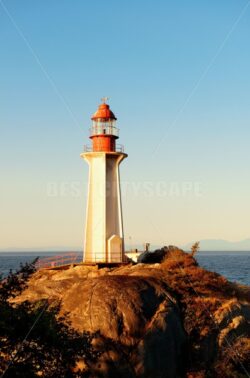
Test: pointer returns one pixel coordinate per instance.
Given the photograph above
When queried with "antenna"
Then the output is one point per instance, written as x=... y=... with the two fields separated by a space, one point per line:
x=104 y=99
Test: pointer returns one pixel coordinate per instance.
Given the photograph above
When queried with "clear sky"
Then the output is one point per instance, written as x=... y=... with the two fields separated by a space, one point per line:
x=178 y=78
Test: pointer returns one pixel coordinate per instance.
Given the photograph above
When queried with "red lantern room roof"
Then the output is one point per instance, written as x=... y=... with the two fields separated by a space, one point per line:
x=103 y=112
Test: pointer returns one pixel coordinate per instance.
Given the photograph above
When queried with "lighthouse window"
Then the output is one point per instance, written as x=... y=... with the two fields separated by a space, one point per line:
x=104 y=127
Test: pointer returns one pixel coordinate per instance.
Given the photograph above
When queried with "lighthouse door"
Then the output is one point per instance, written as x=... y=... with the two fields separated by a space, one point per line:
x=114 y=249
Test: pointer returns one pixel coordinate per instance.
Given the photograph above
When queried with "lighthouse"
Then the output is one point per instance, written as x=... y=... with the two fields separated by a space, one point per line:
x=104 y=239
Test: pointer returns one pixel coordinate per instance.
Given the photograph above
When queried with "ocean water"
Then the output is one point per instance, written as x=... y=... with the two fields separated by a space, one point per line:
x=235 y=266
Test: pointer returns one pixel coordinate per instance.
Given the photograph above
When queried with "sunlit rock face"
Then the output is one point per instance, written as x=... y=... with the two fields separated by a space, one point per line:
x=169 y=318
x=136 y=312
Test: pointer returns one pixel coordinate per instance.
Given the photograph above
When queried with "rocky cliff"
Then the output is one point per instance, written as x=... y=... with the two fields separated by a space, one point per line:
x=163 y=318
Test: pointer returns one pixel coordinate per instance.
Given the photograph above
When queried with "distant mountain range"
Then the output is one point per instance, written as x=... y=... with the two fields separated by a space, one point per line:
x=221 y=245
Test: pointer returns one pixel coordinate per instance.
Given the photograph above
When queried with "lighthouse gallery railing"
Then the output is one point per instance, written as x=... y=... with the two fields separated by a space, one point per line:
x=118 y=148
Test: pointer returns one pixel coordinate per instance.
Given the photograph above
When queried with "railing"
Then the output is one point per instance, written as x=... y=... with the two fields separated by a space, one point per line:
x=87 y=148
x=104 y=130
x=75 y=258
x=101 y=258
x=118 y=148
x=59 y=260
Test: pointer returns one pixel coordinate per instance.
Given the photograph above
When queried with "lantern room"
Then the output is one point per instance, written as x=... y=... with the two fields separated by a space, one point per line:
x=104 y=132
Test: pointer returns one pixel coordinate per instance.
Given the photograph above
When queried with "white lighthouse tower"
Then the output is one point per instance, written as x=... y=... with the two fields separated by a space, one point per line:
x=104 y=240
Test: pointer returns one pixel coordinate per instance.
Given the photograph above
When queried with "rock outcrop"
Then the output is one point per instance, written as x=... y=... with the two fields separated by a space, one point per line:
x=163 y=319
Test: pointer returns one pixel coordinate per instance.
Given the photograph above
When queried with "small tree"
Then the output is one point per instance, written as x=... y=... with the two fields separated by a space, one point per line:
x=195 y=248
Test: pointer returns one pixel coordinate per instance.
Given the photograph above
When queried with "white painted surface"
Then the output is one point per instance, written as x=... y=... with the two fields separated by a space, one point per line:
x=104 y=240
x=115 y=249
x=133 y=255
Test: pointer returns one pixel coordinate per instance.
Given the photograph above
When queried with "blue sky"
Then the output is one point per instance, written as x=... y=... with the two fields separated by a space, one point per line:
x=177 y=74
